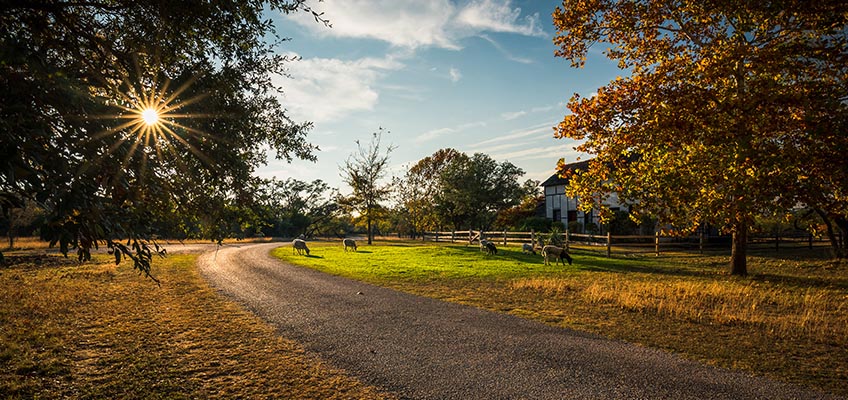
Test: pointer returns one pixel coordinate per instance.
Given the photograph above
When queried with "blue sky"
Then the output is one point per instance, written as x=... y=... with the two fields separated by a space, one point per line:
x=477 y=76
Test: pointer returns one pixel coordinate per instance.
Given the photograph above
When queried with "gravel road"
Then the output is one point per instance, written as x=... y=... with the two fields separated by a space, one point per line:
x=422 y=348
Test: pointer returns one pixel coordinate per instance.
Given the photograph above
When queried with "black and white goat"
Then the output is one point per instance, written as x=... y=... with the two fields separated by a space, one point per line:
x=488 y=247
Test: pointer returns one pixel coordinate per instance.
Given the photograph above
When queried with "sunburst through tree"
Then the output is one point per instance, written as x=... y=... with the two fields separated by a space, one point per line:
x=152 y=125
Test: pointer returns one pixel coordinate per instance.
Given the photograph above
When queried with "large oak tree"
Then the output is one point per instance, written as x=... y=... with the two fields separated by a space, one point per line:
x=731 y=107
x=74 y=137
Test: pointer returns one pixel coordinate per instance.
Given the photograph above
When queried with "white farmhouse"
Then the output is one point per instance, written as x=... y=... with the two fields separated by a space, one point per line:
x=560 y=207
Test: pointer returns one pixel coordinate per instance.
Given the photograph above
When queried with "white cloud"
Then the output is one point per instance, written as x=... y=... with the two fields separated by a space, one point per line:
x=402 y=23
x=511 y=115
x=536 y=130
x=455 y=75
x=324 y=89
x=414 y=23
x=499 y=16
x=535 y=152
x=437 y=133
x=505 y=52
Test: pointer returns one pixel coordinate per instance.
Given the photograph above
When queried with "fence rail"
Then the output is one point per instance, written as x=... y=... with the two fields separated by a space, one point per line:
x=630 y=244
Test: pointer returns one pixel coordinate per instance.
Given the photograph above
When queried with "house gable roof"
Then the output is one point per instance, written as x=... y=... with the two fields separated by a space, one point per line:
x=555 y=180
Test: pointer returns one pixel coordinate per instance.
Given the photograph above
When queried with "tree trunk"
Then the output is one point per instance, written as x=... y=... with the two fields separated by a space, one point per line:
x=738 y=253
x=368 y=223
x=831 y=235
x=842 y=249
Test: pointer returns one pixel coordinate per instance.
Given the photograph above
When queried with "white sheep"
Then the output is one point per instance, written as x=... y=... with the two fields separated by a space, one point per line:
x=527 y=248
x=349 y=243
x=558 y=252
x=299 y=245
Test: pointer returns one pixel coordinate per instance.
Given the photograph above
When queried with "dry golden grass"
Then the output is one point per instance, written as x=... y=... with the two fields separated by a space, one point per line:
x=101 y=331
x=23 y=243
x=811 y=312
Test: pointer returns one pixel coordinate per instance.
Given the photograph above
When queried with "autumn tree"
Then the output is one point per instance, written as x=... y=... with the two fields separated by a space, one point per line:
x=363 y=171
x=730 y=108
x=117 y=114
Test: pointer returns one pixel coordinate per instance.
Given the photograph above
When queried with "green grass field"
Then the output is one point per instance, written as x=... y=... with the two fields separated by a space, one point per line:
x=787 y=320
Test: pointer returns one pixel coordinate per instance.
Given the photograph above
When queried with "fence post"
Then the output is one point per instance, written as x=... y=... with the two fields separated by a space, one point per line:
x=657 y=243
x=609 y=244
x=453 y=236
x=533 y=238
x=504 y=237
x=701 y=243
x=437 y=236
x=567 y=239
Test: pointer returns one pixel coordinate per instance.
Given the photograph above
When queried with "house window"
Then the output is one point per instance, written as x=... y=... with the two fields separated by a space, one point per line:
x=572 y=215
x=557 y=215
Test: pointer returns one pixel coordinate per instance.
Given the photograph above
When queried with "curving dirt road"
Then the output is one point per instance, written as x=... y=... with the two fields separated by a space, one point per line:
x=422 y=348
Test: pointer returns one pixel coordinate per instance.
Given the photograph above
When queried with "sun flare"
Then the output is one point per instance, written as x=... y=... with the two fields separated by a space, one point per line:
x=155 y=125
x=150 y=116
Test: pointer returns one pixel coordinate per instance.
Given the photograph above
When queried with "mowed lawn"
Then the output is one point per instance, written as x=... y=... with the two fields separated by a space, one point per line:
x=788 y=320
x=103 y=331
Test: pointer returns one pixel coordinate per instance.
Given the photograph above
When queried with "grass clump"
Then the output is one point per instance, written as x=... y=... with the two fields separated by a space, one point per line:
x=103 y=331
x=788 y=320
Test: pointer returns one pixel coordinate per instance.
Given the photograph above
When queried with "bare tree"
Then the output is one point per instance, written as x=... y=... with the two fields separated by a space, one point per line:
x=363 y=171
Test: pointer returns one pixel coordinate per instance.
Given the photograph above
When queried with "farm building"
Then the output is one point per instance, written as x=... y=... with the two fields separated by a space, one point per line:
x=560 y=207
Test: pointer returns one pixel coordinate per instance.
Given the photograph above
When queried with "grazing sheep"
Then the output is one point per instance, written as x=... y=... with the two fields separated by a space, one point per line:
x=299 y=245
x=490 y=247
x=557 y=252
x=483 y=243
x=527 y=248
x=349 y=243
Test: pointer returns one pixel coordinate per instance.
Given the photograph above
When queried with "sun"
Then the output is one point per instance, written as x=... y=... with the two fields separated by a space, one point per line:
x=150 y=116
x=154 y=125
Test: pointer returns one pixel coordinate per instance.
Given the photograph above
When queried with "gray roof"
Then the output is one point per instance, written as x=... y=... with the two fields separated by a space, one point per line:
x=555 y=179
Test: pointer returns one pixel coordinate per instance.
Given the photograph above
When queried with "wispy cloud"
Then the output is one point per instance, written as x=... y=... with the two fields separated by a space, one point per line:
x=455 y=75
x=326 y=89
x=535 y=130
x=505 y=52
x=499 y=16
x=437 y=133
x=535 y=152
x=414 y=23
x=511 y=115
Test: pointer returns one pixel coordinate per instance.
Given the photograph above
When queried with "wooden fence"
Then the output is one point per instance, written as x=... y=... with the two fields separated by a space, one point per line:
x=632 y=244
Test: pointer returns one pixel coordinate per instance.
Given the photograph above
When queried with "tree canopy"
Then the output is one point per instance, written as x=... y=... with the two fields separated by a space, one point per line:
x=292 y=207
x=474 y=189
x=730 y=108
x=78 y=136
